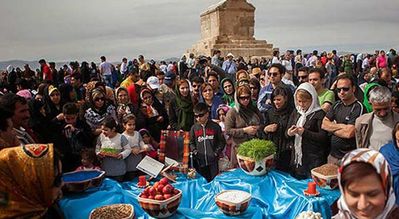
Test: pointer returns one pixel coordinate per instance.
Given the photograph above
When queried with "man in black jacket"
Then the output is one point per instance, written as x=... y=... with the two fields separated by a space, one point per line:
x=206 y=142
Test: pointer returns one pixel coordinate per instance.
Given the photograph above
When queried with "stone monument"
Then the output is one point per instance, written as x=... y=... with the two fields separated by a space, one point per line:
x=229 y=27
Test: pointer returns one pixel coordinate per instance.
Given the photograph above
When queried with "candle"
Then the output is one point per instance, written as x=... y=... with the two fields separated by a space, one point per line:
x=311 y=188
x=142 y=181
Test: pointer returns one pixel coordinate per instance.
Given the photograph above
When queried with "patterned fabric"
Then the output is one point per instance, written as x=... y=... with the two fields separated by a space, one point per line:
x=377 y=160
x=94 y=119
x=26 y=180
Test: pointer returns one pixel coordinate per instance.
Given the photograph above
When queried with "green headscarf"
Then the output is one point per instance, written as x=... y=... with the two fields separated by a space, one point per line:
x=228 y=99
x=185 y=116
x=367 y=90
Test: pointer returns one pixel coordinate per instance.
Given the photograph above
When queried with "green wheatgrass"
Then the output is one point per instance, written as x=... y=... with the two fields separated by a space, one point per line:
x=257 y=149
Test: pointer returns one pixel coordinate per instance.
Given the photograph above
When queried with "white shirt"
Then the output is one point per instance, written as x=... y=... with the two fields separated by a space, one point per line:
x=106 y=68
x=287 y=65
x=365 y=63
x=123 y=67
x=275 y=60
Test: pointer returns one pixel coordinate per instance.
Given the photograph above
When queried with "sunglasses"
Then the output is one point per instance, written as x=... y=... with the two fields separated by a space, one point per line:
x=274 y=74
x=98 y=99
x=345 y=89
x=199 y=115
x=244 y=98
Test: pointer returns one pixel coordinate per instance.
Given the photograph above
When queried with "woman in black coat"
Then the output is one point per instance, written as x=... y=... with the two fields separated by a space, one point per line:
x=310 y=141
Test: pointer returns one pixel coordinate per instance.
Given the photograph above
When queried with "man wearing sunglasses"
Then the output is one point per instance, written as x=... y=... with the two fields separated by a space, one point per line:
x=373 y=130
x=206 y=142
x=275 y=75
x=340 y=120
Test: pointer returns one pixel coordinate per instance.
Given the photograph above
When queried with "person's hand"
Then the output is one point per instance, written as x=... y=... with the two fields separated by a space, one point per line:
x=100 y=155
x=60 y=117
x=160 y=119
x=71 y=127
x=251 y=130
x=268 y=102
x=136 y=150
x=121 y=112
x=119 y=157
x=300 y=130
x=292 y=130
x=271 y=128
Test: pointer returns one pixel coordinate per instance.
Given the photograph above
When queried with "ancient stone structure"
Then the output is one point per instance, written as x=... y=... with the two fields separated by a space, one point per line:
x=229 y=27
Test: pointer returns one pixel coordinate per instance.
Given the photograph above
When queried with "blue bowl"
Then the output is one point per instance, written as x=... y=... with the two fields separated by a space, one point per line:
x=79 y=181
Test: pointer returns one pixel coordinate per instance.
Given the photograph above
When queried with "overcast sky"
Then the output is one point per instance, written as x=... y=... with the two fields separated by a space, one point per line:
x=63 y=30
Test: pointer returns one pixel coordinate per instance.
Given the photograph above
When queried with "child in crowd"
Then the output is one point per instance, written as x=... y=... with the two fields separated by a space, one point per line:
x=89 y=160
x=113 y=148
x=150 y=142
x=206 y=142
x=136 y=144
x=226 y=161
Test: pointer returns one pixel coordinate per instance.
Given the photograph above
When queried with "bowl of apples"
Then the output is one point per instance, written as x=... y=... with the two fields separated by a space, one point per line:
x=160 y=200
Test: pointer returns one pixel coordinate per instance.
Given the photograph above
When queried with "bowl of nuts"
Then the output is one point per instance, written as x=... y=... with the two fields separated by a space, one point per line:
x=115 y=211
x=326 y=176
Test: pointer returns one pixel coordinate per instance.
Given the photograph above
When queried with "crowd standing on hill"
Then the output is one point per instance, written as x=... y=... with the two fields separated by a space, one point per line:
x=317 y=108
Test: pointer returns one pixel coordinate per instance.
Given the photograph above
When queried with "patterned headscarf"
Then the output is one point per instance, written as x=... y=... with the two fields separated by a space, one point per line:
x=27 y=175
x=378 y=161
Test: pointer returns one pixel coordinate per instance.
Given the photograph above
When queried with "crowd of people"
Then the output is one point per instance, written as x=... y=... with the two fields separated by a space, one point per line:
x=316 y=108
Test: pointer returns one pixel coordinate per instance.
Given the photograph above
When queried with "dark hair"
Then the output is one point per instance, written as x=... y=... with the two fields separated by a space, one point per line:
x=394 y=130
x=9 y=100
x=305 y=69
x=70 y=109
x=42 y=61
x=347 y=77
x=5 y=114
x=102 y=58
x=110 y=122
x=279 y=66
x=200 y=108
x=198 y=80
x=127 y=118
x=90 y=154
x=318 y=70
x=212 y=73
x=356 y=171
x=77 y=76
x=275 y=52
x=159 y=73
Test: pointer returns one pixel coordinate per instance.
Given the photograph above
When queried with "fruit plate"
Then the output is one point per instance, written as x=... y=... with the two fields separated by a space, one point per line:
x=115 y=211
x=161 y=208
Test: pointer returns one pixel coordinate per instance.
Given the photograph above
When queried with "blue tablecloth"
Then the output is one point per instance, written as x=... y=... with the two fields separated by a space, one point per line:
x=275 y=195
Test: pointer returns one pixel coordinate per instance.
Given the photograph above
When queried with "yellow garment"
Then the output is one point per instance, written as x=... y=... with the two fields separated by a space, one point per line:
x=127 y=82
x=26 y=180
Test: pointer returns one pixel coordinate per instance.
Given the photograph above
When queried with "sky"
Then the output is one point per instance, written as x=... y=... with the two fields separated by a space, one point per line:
x=63 y=30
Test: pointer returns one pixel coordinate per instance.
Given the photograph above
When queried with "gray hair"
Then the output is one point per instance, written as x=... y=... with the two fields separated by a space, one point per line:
x=380 y=94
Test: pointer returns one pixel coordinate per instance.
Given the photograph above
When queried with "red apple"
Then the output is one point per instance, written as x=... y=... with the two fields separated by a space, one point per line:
x=164 y=181
x=152 y=191
x=143 y=196
x=151 y=197
x=160 y=187
x=175 y=191
x=159 y=197
x=168 y=189
x=146 y=191
x=167 y=196
x=156 y=185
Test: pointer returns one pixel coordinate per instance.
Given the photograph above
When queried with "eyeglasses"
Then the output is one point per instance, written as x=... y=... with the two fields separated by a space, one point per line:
x=99 y=99
x=244 y=97
x=199 y=115
x=345 y=89
x=274 y=74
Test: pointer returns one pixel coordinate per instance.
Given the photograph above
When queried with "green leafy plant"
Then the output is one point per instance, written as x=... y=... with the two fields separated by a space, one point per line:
x=257 y=149
x=110 y=150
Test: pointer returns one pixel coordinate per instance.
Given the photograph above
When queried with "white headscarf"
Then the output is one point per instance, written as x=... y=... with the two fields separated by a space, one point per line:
x=378 y=161
x=315 y=106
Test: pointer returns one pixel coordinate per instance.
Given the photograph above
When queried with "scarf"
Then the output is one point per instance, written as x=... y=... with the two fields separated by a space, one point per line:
x=250 y=114
x=228 y=98
x=185 y=116
x=26 y=178
x=315 y=106
x=288 y=106
x=391 y=154
x=381 y=166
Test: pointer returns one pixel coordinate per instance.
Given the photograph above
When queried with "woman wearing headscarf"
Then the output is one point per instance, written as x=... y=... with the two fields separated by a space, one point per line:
x=53 y=103
x=310 y=140
x=365 y=182
x=210 y=99
x=276 y=124
x=228 y=92
x=391 y=154
x=68 y=94
x=125 y=107
x=155 y=115
x=30 y=182
x=181 y=108
x=242 y=122
x=99 y=109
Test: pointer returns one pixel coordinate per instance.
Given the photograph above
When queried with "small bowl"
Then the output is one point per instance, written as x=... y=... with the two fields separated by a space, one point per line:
x=80 y=181
x=225 y=202
x=161 y=209
x=113 y=212
x=325 y=182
